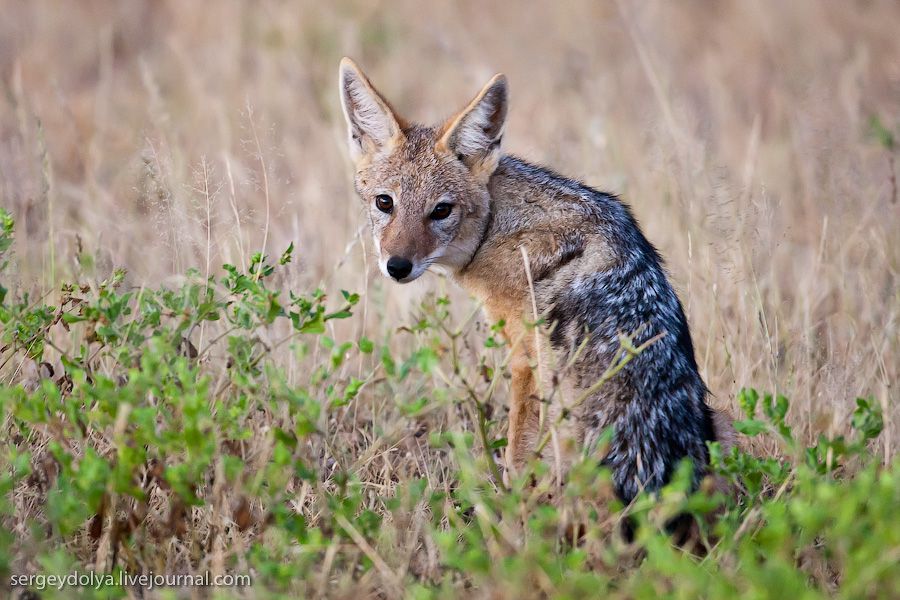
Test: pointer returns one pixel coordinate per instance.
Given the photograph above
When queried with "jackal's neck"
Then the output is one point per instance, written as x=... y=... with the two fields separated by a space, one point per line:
x=518 y=209
x=555 y=221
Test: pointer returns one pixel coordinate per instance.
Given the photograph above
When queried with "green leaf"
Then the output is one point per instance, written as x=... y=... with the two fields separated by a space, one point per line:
x=387 y=361
x=867 y=419
x=881 y=134
x=314 y=325
x=748 y=398
x=426 y=359
x=413 y=408
x=341 y=314
x=286 y=255
x=366 y=346
x=751 y=427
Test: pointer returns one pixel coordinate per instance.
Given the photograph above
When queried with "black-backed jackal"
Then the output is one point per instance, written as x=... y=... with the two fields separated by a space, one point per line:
x=447 y=196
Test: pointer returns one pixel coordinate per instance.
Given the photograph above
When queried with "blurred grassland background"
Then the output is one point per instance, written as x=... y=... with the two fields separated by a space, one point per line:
x=752 y=139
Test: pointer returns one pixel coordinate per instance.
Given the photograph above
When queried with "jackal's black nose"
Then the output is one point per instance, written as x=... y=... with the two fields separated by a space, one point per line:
x=398 y=268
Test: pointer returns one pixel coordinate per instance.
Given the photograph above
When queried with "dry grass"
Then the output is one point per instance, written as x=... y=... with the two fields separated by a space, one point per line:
x=165 y=135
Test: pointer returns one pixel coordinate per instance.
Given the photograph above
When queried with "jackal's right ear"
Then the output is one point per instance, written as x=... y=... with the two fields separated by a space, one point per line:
x=474 y=134
x=371 y=122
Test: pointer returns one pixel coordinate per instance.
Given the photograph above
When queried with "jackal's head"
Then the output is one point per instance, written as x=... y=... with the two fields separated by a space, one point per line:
x=425 y=188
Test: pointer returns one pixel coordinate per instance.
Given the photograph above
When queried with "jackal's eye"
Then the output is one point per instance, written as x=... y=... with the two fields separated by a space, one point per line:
x=384 y=203
x=441 y=211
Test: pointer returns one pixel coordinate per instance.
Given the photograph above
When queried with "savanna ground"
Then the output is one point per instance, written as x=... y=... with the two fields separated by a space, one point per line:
x=162 y=413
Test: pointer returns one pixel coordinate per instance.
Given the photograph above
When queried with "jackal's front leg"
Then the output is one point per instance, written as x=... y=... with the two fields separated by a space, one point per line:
x=524 y=413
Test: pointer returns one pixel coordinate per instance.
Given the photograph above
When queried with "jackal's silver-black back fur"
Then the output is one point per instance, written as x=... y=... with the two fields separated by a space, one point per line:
x=656 y=404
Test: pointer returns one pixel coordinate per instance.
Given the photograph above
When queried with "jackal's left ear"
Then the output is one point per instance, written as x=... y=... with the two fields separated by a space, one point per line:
x=474 y=134
x=372 y=123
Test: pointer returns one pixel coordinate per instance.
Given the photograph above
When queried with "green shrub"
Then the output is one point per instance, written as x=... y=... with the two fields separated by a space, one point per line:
x=224 y=426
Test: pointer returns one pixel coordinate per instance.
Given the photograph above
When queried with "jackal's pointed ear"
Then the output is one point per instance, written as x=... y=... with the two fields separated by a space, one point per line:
x=371 y=122
x=474 y=134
